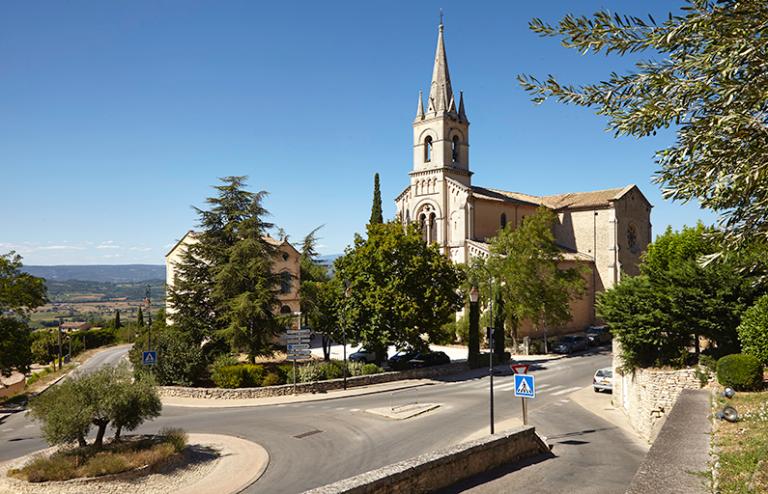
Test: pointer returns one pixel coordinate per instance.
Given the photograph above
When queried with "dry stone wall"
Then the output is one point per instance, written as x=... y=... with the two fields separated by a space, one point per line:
x=312 y=387
x=647 y=396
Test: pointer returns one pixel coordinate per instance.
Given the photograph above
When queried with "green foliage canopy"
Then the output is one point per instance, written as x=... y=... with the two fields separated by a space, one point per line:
x=225 y=284
x=20 y=293
x=706 y=78
x=530 y=283
x=399 y=287
x=109 y=395
x=657 y=315
x=753 y=330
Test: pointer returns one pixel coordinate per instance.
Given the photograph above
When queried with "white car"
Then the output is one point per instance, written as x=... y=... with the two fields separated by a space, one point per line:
x=603 y=380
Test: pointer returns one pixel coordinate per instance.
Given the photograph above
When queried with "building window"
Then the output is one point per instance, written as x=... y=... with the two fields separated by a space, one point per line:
x=428 y=149
x=285 y=282
x=632 y=238
x=285 y=310
x=423 y=226
x=432 y=228
x=285 y=256
x=455 y=149
x=503 y=220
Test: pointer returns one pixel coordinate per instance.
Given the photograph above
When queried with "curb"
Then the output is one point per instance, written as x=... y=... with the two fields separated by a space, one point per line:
x=204 y=403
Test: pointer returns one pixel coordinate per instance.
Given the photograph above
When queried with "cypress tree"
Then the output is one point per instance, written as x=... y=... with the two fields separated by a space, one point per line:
x=117 y=319
x=376 y=215
x=140 y=318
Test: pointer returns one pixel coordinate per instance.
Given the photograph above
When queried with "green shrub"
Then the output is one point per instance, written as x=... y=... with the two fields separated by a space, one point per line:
x=238 y=376
x=176 y=437
x=371 y=369
x=310 y=372
x=740 y=372
x=753 y=330
x=104 y=464
x=272 y=379
x=333 y=369
x=708 y=362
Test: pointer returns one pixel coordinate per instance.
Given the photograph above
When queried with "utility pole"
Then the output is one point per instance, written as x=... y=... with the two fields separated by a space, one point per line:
x=61 y=321
x=148 y=305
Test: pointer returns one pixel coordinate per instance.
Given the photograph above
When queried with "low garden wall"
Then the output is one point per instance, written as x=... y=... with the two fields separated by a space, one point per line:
x=311 y=387
x=432 y=471
x=647 y=396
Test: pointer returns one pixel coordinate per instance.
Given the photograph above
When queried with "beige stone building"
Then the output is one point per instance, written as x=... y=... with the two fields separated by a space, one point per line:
x=604 y=230
x=287 y=264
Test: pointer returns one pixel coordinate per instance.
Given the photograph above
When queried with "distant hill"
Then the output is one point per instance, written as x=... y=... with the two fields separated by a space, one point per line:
x=104 y=273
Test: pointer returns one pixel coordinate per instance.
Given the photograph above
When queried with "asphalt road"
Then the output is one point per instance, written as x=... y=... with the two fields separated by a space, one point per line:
x=311 y=444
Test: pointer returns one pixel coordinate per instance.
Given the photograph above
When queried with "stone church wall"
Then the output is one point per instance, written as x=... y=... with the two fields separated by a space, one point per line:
x=488 y=217
x=632 y=212
x=589 y=232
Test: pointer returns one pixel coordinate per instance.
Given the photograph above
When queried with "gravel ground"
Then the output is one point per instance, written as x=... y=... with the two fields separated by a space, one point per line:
x=199 y=461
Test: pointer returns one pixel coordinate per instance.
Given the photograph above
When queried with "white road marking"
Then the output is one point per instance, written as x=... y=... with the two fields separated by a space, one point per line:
x=354 y=409
x=566 y=391
x=7 y=430
x=557 y=386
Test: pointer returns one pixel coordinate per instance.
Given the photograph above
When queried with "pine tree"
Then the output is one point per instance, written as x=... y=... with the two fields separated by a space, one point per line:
x=140 y=318
x=117 y=319
x=225 y=285
x=376 y=214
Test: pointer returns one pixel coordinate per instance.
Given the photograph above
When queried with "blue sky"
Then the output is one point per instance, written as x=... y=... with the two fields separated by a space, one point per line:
x=117 y=117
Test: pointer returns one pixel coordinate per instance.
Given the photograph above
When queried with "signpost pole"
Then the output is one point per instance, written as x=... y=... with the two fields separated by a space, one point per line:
x=525 y=412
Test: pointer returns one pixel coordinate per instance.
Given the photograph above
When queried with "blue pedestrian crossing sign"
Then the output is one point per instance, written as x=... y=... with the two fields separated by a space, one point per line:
x=524 y=386
x=149 y=358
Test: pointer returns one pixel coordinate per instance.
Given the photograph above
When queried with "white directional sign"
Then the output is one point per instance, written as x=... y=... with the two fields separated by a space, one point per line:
x=524 y=386
x=300 y=351
x=298 y=332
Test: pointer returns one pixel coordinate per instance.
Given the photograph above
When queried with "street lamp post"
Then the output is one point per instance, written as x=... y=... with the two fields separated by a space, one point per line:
x=60 y=352
x=148 y=304
x=474 y=328
x=344 y=333
x=490 y=348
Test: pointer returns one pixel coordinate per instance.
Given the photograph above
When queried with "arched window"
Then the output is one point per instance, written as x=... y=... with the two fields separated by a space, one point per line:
x=455 y=149
x=285 y=310
x=503 y=220
x=428 y=149
x=432 y=228
x=423 y=226
x=285 y=282
x=407 y=216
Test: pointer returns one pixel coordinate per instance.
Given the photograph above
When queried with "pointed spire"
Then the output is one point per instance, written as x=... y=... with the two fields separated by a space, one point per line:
x=440 y=92
x=420 y=108
x=452 y=104
x=462 y=115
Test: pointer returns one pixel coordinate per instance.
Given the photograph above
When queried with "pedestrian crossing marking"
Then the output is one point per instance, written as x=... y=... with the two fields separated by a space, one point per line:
x=524 y=386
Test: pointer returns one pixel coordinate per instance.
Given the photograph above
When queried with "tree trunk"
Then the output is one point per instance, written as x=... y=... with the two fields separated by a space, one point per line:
x=326 y=348
x=118 y=430
x=81 y=441
x=99 y=441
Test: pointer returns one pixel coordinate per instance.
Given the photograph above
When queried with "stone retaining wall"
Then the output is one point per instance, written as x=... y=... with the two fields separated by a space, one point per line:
x=647 y=396
x=442 y=468
x=314 y=387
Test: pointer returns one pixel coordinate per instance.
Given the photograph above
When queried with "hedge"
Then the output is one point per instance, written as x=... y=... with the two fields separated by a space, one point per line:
x=753 y=330
x=740 y=372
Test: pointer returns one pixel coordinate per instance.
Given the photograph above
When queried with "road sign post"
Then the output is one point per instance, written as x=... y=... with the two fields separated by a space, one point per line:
x=525 y=387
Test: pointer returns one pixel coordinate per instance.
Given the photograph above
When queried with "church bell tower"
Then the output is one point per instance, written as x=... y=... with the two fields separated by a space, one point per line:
x=441 y=133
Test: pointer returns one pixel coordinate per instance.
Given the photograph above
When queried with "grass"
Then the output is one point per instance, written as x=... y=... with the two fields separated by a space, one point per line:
x=115 y=457
x=743 y=446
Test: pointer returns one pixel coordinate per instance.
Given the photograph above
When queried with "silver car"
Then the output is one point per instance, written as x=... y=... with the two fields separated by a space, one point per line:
x=603 y=380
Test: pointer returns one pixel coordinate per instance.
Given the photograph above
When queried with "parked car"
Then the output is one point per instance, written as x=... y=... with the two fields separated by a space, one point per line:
x=598 y=335
x=570 y=344
x=603 y=380
x=399 y=360
x=428 y=359
x=363 y=355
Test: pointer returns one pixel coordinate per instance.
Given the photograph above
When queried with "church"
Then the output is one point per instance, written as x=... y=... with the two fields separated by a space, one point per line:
x=605 y=231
